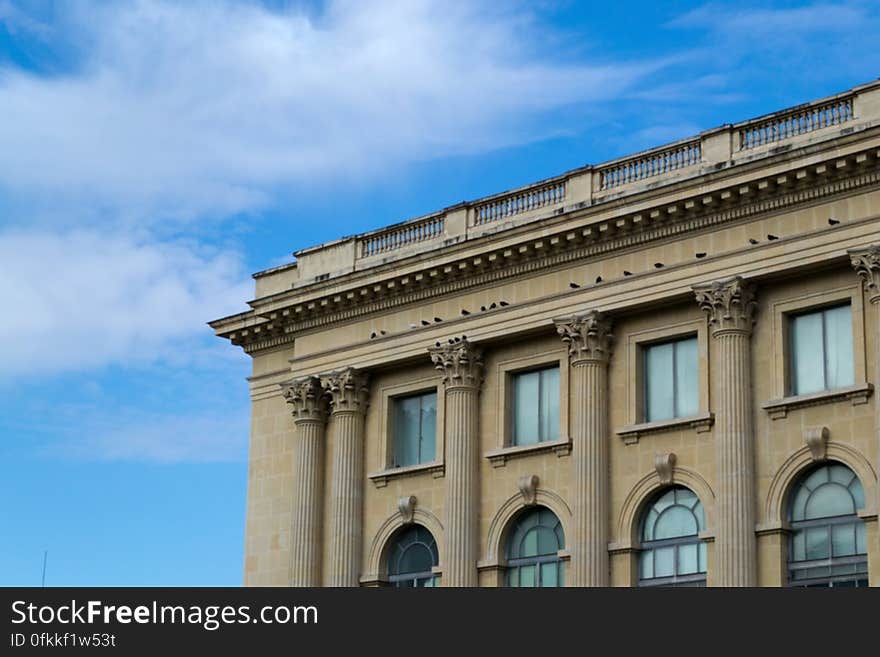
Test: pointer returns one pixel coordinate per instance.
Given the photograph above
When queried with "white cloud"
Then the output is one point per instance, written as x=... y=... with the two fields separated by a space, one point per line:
x=83 y=299
x=207 y=107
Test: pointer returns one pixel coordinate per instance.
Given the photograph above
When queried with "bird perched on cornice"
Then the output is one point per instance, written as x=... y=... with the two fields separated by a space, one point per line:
x=832 y=221
x=573 y=285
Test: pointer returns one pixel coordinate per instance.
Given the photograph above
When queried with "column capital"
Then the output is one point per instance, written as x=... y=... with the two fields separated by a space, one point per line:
x=588 y=337
x=348 y=390
x=729 y=303
x=460 y=361
x=866 y=262
x=307 y=397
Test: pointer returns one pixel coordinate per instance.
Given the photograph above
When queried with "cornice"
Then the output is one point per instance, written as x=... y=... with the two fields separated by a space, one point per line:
x=800 y=186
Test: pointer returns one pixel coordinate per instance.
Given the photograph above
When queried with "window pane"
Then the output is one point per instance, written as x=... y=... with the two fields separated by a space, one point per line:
x=688 y=561
x=525 y=408
x=702 y=556
x=829 y=500
x=839 y=347
x=549 y=575
x=647 y=564
x=659 y=403
x=843 y=540
x=429 y=428
x=817 y=543
x=530 y=544
x=806 y=351
x=527 y=576
x=406 y=430
x=861 y=545
x=799 y=546
x=686 y=366
x=513 y=577
x=550 y=404
x=664 y=562
x=674 y=522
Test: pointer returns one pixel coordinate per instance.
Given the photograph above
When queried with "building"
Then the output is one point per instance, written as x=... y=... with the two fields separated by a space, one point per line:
x=657 y=370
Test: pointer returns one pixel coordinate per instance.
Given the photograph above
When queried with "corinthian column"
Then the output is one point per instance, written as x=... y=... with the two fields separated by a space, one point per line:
x=866 y=262
x=462 y=367
x=589 y=340
x=730 y=305
x=309 y=418
x=349 y=396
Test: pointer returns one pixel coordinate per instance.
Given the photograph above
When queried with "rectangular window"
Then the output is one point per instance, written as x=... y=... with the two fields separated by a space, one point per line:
x=671 y=375
x=415 y=427
x=535 y=406
x=821 y=350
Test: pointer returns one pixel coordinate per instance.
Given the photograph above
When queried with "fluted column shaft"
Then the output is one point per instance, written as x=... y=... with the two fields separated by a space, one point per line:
x=589 y=341
x=730 y=306
x=348 y=397
x=462 y=367
x=866 y=262
x=307 y=397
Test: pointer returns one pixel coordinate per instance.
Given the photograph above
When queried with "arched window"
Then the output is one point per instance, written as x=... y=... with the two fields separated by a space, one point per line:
x=411 y=558
x=672 y=553
x=827 y=542
x=533 y=545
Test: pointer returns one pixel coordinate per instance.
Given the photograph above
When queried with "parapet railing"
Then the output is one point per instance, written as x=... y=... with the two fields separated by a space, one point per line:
x=402 y=235
x=796 y=122
x=519 y=202
x=650 y=164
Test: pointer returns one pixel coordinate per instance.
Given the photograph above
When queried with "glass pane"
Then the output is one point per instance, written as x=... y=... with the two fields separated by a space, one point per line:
x=513 y=577
x=817 y=543
x=530 y=544
x=686 y=367
x=550 y=404
x=549 y=575
x=648 y=528
x=858 y=493
x=546 y=541
x=839 y=347
x=861 y=544
x=527 y=576
x=664 y=562
x=688 y=560
x=646 y=564
x=429 y=428
x=659 y=402
x=702 y=556
x=829 y=500
x=525 y=408
x=843 y=540
x=799 y=546
x=674 y=522
x=808 y=367
x=406 y=430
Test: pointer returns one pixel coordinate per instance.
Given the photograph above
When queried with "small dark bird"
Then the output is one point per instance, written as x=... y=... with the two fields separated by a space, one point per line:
x=436 y=344
x=627 y=273
x=425 y=322
x=701 y=254
x=464 y=337
x=573 y=285
x=381 y=332
x=458 y=339
x=492 y=306
x=753 y=240
x=465 y=312
x=832 y=222
x=373 y=335
x=658 y=265
x=598 y=279
x=772 y=237
x=482 y=309
x=451 y=341
x=437 y=320
x=503 y=303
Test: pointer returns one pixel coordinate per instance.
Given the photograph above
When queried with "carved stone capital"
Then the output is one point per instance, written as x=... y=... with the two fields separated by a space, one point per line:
x=664 y=464
x=587 y=336
x=528 y=488
x=461 y=363
x=866 y=262
x=348 y=390
x=406 y=506
x=729 y=303
x=307 y=397
x=817 y=440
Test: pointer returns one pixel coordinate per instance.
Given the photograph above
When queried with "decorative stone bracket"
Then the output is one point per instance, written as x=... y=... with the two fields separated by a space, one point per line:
x=406 y=506
x=528 y=488
x=817 y=440
x=664 y=464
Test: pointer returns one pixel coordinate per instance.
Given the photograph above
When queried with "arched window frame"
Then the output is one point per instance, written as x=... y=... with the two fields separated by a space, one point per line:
x=539 y=570
x=650 y=548
x=830 y=569
x=410 y=537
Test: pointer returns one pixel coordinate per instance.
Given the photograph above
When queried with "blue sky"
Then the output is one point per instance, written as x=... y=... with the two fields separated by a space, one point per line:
x=154 y=154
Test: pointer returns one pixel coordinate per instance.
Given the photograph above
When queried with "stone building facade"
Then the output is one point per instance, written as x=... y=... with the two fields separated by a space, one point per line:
x=659 y=370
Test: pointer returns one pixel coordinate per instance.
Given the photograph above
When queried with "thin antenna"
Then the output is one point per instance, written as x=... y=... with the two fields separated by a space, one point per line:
x=45 y=558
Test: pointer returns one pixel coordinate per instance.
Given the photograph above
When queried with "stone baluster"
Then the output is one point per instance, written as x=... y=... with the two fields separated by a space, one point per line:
x=589 y=339
x=462 y=366
x=730 y=306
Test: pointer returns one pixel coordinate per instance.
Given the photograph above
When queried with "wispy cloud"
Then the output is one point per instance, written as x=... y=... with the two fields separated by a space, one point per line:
x=187 y=109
